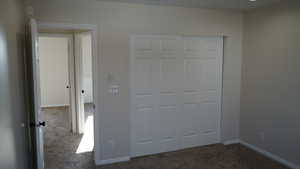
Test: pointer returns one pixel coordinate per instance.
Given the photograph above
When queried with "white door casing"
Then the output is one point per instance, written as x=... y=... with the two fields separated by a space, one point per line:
x=36 y=116
x=72 y=86
x=79 y=83
x=95 y=71
x=176 y=87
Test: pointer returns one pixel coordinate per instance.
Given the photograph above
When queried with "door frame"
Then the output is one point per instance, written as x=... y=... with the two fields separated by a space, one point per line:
x=32 y=74
x=132 y=37
x=79 y=79
x=95 y=70
x=71 y=74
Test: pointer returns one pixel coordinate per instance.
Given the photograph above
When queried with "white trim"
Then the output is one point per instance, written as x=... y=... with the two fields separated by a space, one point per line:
x=112 y=160
x=36 y=95
x=174 y=35
x=131 y=93
x=233 y=141
x=54 y=34
x=72 y=84
x=96 y=71
x=54 y=105
x=79 y=82
x=270 y=155
x=60 y=105
x=66 y=26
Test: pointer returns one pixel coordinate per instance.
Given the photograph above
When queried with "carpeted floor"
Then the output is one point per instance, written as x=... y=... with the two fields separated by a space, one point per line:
x=207 y=157
x=61 y=145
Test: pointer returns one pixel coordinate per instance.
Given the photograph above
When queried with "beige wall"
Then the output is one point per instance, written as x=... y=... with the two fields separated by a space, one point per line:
x=270 y=111
x=115 y=23
x=13 y=147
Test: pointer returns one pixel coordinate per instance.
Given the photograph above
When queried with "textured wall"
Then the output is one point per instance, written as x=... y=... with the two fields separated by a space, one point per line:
x=116 y=21
x=270 y=109
x=13 y=147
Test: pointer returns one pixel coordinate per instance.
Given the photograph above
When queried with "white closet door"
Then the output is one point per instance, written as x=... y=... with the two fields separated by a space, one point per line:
x=200 y=118
x=144 y=103
x=176 y=91
x=168 y=92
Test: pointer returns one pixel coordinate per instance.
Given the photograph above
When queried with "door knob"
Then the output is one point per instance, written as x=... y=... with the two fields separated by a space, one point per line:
x=82 y=91
x=42 y=123
x=39 y=124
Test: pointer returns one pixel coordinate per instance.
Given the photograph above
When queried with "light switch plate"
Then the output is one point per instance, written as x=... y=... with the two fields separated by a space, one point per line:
x=114 y=90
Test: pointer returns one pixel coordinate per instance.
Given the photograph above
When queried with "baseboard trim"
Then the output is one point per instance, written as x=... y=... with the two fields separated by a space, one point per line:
x=270 y=155
x=59 y=105
x=54 y=105
x=112 y=160
x=233 y=141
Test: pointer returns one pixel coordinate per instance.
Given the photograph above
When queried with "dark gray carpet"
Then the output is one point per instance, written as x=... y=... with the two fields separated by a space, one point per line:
x=61 y=145
x=207 y=157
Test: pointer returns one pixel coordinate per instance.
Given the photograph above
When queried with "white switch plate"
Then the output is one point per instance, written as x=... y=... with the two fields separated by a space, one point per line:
x=114 y=90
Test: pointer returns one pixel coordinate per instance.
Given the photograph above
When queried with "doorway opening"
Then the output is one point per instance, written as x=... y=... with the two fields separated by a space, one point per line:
x=67 y=97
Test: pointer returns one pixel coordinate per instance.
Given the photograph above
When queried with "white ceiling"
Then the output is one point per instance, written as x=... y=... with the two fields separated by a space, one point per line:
x=225 y=4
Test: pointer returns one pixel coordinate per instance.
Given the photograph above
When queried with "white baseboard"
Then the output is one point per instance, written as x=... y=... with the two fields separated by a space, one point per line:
x=113 y=160
x=270 y=155
x=54 y=105
x=60 y=105
x=229 y=142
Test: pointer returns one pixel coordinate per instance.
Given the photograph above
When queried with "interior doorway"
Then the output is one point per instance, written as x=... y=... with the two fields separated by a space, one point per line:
x=67 y=104
x=56 y=78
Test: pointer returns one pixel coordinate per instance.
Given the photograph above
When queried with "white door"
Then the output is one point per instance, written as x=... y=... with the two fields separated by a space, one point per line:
x=35 y=95
x=167 y=92
x=80 y=91
x=176 y=92
x=144 y=106
x=200 y=120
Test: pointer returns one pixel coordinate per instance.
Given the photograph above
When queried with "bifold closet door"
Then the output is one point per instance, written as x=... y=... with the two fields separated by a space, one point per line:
x=201 y=113
x=175 y=89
